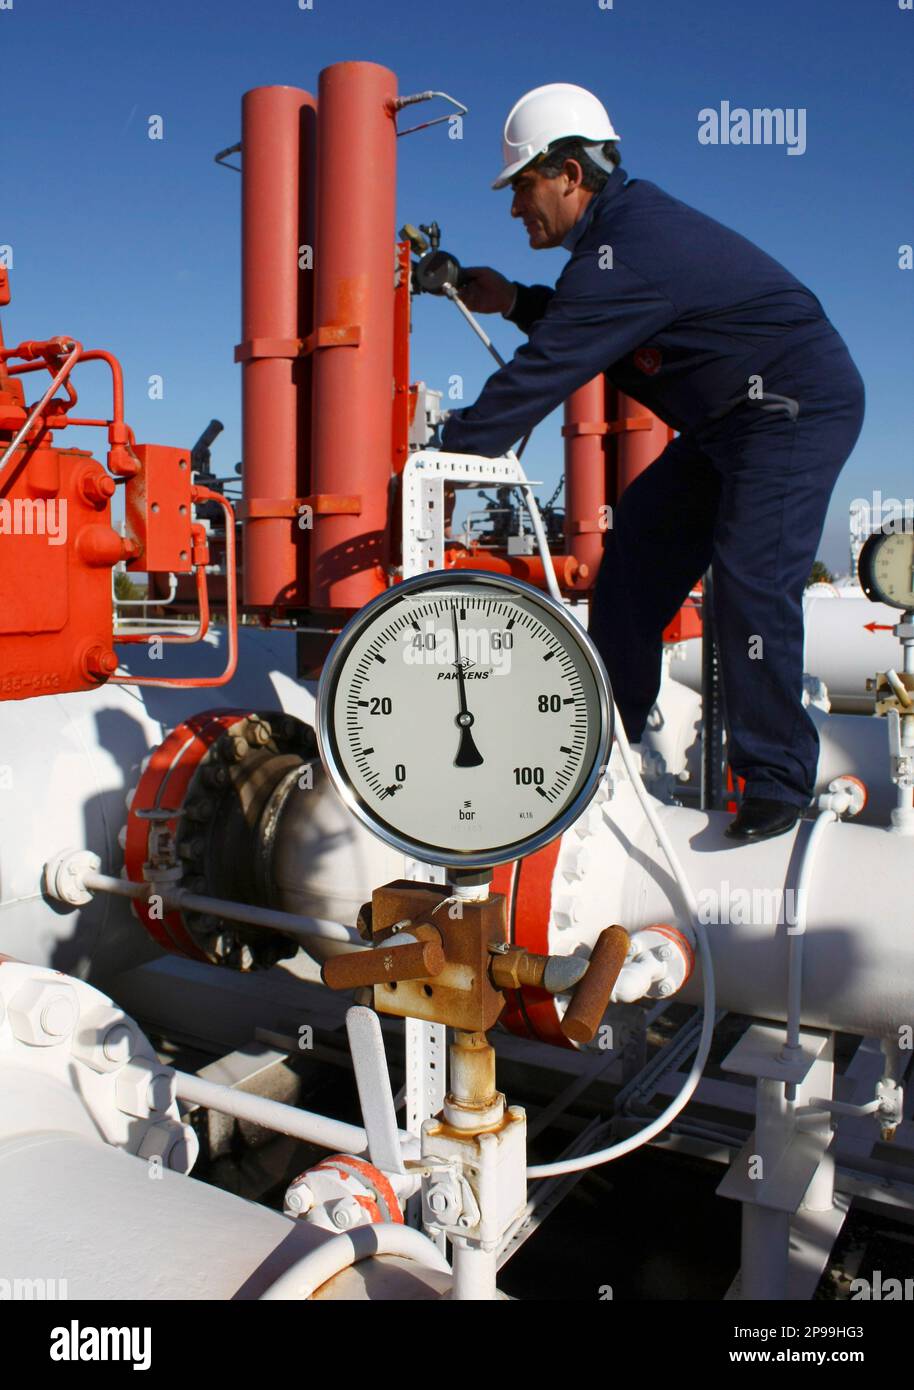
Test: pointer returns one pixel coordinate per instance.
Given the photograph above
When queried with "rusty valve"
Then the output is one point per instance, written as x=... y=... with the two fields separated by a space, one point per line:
x=591 y=997
x=514 y=967
x=591 y=980
x=420 y=957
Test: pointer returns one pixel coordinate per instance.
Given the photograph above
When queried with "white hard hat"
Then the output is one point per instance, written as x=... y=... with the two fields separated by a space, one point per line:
x=546 y=114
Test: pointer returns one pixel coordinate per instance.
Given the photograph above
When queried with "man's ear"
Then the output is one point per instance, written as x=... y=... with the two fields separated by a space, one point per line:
x=574 y=173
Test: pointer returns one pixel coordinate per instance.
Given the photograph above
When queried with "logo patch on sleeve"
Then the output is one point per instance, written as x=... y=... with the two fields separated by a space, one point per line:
x=648 y=360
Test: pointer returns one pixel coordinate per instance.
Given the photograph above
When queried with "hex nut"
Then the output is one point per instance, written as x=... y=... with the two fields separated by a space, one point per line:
x=43 y=1013
x=62 y=876
x=144 y=1088
x=119 y=1044
x=299 y=1199
x=345 y=1213
x=443 y=1202
x=105 y=1039
x=176 y=1144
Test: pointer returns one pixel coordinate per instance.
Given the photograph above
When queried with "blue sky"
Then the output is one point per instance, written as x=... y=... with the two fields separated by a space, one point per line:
x=133 y=244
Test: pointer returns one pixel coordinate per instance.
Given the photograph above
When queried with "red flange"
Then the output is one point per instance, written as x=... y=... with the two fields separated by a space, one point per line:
x=163 y=785
x=527 y=886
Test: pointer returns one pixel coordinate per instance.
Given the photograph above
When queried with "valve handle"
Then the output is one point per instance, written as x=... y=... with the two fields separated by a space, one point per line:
x=416 y=960
x=591 y=997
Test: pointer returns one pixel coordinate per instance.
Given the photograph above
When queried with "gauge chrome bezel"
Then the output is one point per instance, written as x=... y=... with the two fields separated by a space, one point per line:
x=866 y=561
x=360 y=808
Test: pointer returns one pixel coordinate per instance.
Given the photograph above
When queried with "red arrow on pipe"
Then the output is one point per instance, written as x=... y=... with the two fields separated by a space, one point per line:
x=879 y=627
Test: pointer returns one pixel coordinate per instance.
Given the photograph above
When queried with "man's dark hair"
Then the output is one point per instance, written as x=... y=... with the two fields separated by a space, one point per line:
x=550 y=164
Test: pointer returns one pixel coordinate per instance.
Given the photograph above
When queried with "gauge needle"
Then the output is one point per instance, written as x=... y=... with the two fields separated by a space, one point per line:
x=468 y=755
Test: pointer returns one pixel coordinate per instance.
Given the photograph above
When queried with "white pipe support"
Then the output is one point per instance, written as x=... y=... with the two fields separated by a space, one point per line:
x=764 y=1248
x=797 y=932
x=341 y=1251
x=475 y=1272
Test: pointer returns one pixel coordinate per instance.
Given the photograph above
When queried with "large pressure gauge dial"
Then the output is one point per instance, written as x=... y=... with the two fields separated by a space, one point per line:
x=886 y=564
x=465 y=717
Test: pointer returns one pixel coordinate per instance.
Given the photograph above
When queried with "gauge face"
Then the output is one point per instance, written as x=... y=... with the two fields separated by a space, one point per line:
x=464 y=717
x=886 y=565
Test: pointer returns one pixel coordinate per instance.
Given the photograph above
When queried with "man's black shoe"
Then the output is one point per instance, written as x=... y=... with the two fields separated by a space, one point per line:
x=759 y=818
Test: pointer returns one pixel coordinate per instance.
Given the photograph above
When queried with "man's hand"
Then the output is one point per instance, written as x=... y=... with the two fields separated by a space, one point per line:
x=485 y=291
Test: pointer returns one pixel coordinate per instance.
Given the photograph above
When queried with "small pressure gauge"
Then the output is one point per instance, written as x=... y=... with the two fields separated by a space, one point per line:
x=886 y=564
x=465 y=717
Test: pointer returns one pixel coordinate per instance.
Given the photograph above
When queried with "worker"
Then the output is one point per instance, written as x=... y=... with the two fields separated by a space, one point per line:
x=723 y=344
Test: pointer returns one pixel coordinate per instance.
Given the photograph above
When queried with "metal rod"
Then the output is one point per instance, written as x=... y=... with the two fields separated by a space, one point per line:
x=474 y=323
x=302 y=928
x=37 y=410
x=274 y=1115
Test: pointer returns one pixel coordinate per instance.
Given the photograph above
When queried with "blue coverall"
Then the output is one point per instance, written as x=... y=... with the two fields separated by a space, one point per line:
x=681 y=312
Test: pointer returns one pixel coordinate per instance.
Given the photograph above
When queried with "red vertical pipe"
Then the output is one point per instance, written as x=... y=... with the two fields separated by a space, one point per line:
x=584 y=431
x=635 y=449
x=278 y=136
x=352 y=396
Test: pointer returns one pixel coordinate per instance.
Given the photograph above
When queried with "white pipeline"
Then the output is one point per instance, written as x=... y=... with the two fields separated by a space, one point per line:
x=847 y=639
x=858 y=952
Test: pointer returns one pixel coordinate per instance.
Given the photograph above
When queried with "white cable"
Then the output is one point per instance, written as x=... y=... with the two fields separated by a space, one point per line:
x=643 y=1136
x=345 y=1249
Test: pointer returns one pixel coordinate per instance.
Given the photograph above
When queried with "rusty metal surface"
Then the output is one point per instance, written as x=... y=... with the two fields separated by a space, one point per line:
x=420 y=960
x=462 y=994
x=472 y=1072
x=589 y=1001
x=518 y=967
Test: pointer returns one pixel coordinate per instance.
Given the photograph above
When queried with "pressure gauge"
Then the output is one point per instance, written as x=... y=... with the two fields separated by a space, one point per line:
x=464 y=717
x=886 y=564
